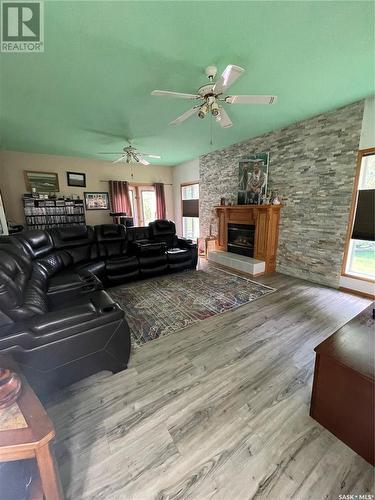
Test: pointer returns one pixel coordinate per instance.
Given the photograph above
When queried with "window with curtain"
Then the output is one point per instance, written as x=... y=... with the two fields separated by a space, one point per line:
x=360 y=255
x=143 y=203
x=190 y=210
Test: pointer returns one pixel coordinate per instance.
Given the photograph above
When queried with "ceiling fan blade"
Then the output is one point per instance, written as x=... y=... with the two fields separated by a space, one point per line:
x=251 y=99
x=142 y=160
x=229 y=76
x=150 y=156
x=223 y=119
x=119 y=159
x=190 y=112
x=179 y=95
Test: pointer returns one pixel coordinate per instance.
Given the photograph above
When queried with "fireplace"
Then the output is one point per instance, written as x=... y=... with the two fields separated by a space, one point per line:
x=241 y=239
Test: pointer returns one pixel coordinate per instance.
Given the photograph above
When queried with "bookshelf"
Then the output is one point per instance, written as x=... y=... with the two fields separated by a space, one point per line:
x=46 y=213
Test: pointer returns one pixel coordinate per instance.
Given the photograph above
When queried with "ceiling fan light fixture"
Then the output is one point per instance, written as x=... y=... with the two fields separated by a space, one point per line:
x=215 y=108
x=203 y=110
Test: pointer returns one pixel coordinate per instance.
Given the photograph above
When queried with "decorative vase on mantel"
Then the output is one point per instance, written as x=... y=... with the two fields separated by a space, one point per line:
x=10 y=387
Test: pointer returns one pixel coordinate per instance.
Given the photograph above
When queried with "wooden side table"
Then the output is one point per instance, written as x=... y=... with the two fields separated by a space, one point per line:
x=206 y=245
x=343 y=395
x=27 y=432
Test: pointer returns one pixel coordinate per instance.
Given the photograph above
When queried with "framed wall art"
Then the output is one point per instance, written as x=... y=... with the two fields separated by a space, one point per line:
x=76 y=179
x=253 y=178
x=41 y=182
x=96 y=201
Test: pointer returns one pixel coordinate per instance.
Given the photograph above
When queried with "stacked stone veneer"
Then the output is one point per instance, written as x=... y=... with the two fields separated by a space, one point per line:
x=312 y=166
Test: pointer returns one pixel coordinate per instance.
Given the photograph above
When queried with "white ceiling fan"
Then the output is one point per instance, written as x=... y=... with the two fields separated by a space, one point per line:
x=212 y=95
x=130 y=154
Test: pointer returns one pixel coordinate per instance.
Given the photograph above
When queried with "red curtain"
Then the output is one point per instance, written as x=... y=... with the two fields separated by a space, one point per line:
x=120 y=198
x=160 y=201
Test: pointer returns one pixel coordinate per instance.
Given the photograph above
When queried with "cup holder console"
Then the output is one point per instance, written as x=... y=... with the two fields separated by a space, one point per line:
x=110 y=308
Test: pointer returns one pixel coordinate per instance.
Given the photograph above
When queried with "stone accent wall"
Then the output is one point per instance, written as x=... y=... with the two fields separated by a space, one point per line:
x=312 y=166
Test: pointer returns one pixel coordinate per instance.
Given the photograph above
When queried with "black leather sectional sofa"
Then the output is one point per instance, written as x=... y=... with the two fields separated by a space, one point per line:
x=56 y=319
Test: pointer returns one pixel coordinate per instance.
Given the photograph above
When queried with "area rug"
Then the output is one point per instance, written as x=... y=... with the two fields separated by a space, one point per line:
x=159 y=306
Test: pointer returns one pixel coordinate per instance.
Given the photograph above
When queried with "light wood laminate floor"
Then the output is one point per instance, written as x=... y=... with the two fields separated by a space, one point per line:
x=219 y=410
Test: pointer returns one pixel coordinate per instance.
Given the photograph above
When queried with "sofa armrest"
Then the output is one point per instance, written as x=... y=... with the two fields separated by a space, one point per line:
x=148 y=248
x=63 y=318
x=185 y=243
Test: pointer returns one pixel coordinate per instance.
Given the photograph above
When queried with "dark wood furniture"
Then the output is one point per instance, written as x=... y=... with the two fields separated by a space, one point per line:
x=266 y=220
x=26 y=432
x=343 y=390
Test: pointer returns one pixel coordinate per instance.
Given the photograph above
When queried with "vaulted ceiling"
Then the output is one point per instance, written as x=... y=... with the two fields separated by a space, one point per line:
x=91 y=87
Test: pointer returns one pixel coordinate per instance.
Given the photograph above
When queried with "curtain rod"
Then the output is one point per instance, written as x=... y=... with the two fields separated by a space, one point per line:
x=138 y=183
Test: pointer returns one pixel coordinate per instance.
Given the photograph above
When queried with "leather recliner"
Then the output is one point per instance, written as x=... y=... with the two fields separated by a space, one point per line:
x=56 y=345
x=181 y=253
x=62 y=279
x=80 y=244
x=113 y=250
x=151 y=255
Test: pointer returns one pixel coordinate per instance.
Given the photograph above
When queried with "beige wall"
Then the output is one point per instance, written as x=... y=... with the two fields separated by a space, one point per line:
x=12 y=184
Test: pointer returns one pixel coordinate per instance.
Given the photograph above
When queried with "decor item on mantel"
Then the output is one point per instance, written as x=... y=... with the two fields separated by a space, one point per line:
x=259 y=224
x=253 y=177
x=275 y=199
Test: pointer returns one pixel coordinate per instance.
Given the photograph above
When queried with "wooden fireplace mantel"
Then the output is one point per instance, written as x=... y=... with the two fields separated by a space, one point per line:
x=266 y=220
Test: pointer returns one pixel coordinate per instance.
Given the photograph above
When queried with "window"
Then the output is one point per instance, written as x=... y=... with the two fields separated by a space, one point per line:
x=190 y=210
x=359 y=258
x=148 y=200
x=143 y=202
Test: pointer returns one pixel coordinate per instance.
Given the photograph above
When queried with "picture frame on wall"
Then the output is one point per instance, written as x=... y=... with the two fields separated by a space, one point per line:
x=76 y=179
x=96 y=200
x=41 y=182
x=253 y=179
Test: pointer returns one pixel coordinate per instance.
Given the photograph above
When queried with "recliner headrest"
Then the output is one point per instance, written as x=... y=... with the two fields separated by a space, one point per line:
x=36 y=242
x=73 y=233
x=110 y=231
x=162 y=227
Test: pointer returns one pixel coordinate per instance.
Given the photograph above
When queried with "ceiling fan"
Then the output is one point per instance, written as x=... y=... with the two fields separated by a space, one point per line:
x=212 y=95
x=130 y=154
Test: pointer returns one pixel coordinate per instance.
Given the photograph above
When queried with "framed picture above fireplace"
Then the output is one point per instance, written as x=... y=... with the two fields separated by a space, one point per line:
x=253 y=179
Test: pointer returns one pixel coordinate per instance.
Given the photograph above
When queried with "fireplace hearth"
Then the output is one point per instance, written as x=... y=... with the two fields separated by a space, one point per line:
x=241 y=239
x=258 y=241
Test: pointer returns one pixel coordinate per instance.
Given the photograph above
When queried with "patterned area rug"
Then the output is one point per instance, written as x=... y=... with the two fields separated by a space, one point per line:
x=159 y=306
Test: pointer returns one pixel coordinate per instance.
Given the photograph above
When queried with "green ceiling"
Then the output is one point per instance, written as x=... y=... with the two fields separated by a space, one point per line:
x=103 y=58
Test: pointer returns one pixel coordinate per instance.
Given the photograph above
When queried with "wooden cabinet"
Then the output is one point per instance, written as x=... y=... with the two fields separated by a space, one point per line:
x=265 y=218
x=343 y=392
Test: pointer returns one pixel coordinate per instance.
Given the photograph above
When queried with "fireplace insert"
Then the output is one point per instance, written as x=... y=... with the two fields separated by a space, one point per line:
x=241 y=239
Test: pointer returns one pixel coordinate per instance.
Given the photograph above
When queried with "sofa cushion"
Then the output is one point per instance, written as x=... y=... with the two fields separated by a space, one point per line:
x=121 y=264
x=78 y=241
x=111 y=239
